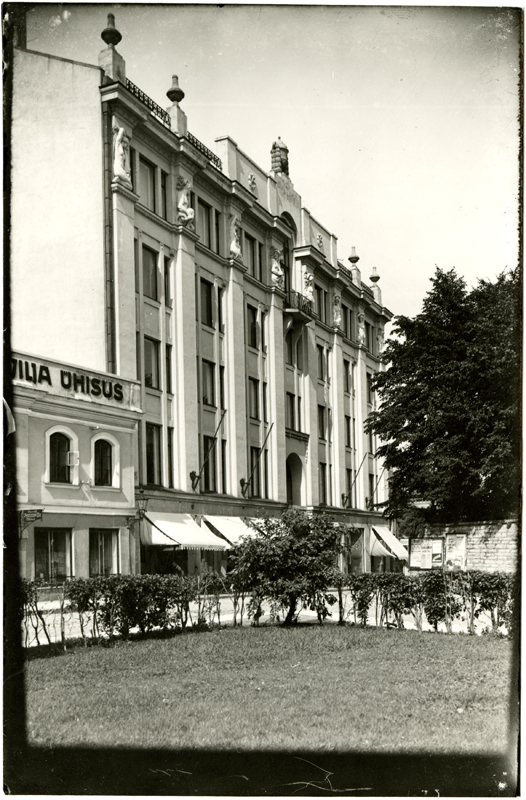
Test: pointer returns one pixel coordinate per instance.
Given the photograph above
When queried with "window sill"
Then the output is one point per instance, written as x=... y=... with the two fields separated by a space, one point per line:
x=106 y=488
x=155 y=391
x=51 y=485
x=210 y=406
x=151 y=301
x=209 y=328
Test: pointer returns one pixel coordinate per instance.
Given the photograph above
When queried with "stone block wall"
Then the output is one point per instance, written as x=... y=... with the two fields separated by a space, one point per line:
x=490 y=546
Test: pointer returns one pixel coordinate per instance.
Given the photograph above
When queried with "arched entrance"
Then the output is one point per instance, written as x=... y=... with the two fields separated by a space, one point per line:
x=294 y=470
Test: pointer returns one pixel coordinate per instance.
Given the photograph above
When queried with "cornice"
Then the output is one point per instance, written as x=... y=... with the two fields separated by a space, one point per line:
x=225 y=262
x=129 y=194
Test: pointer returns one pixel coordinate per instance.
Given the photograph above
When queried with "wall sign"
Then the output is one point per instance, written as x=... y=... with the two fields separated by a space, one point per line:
x=81 y=384
x=455 y=551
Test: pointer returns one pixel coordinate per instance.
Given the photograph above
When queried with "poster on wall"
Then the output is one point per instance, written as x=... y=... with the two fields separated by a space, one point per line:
x=455 y=551
x=426 y=553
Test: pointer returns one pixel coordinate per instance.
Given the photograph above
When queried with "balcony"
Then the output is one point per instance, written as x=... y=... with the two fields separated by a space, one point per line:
x=299 y=307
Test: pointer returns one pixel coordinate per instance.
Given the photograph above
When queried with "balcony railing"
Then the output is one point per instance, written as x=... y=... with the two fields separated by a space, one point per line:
x=163 y=117
x=299 y=301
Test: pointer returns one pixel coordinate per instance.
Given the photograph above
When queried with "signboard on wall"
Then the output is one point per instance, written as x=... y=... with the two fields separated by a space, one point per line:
x=426 y=553
x=455 y=551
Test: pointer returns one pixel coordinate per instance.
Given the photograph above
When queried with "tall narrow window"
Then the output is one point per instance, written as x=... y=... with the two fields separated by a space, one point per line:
x=209 y=393
x=167 y=288
x=261 y=261
x=347 y=431
x=318 y=302
x=203 y=222
x=103 y=463
x=217 y=242
x=368 y=336
x=266 y=488
x=224 y=482
x=52 y=554
x=138 y=355
x=252 y=323
x=265 y=403
x=253 y=398
x=153 y=454
x=249 y=255
x=255 y=470
x=149 y=273
x=322 y=479
x=103 y=554
x=346 y=376
x=220 y=295
x=345 y=320
x=169 y=368
x=264 y=318
x=371 y=490
x=222 y=388
x=170 y=454
x=370 y=393
x=209 y=464
x=289 y=349
x=322 y=431
x=151 y=363
x=206 y=303
x=147 y=183
x=348 y=487
x=300 y=427
x=285 y=263
x=136 y=265
x=59 y=447
x=299 y=353
x=290 y=421
x=164 y=208
x=321 y=363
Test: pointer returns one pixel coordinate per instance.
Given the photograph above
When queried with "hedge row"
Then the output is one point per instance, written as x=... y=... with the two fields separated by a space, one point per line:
x=114 y=605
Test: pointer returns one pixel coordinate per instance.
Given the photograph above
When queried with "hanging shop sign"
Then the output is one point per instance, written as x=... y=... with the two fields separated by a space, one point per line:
x=26 y=518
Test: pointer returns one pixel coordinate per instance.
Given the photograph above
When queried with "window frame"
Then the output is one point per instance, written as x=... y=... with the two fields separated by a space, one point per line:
x=204 y=223
x=74 y=448
x=115 y=460
x=157 y=456
x=210 y=467
x=252 y=327
x=115 y=550
x=148 y=202
x=206 y=303
x=253 y=399
x=154 y=352
x=150 y=278
x=68 y=552
x=322 y=423
x=208 y=383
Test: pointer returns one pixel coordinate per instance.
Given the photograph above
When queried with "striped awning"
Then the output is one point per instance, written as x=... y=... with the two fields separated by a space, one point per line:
x=179 y=530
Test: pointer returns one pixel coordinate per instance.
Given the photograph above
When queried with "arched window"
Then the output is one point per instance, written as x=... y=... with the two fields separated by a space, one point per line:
x=59 y=458
x=103 y=463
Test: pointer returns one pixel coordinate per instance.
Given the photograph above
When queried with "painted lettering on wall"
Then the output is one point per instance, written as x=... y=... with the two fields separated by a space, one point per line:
x=76 y=382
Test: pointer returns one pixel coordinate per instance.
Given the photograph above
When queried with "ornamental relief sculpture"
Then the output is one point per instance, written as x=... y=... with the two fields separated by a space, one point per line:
x=235 y=236
x=276 y=270
x=361 y=328
x=337 y=311
x=185 y=212
x=308 y=284
x=121 y=157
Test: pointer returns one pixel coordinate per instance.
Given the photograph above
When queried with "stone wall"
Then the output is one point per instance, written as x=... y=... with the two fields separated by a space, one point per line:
x=490 y=546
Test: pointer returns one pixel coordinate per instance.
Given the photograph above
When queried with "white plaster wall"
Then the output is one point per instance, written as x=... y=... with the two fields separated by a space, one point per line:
x=57 y=263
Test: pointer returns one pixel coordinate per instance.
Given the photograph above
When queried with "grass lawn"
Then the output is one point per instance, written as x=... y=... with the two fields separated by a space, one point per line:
x=309 y=687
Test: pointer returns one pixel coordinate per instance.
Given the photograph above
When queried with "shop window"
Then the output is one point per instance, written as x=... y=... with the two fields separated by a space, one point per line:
x=103 y=552
x=151 y=363
x=207 y=317
x=209 y=393
x=153 y=454
x=103 y=463
x=147 y=183
x=52 y=554
x=149 y=273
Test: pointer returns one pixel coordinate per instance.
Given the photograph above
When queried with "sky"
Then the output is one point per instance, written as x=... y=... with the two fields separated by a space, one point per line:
x=401 y=121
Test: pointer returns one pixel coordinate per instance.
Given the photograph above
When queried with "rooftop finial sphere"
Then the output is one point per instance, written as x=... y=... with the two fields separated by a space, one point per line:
x=175 y=94
x=110 y=34
x=353 y=258
x=374 y=277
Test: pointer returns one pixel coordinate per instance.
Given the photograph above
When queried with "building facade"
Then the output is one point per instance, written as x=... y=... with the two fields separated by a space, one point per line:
x=203 y=281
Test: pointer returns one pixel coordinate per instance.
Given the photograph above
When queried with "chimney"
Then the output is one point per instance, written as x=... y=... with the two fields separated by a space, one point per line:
x=110 y=60
x=280 y=157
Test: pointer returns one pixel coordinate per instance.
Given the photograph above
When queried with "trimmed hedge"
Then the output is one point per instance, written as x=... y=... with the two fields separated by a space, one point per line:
x=112 y=606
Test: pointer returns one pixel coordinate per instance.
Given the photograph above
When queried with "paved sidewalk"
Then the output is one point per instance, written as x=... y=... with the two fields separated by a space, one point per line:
x=72 y=624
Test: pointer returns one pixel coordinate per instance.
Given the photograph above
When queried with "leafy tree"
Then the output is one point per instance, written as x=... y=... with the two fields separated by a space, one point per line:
x=290 y=562
x=449 y=403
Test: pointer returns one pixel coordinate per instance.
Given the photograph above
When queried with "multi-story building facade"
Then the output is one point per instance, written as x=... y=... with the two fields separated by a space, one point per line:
x=205 y=279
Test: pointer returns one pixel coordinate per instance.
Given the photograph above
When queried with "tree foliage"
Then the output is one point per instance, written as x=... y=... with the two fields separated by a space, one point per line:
x=449 y=412
x=290 y=562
